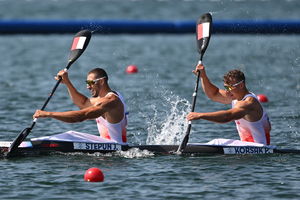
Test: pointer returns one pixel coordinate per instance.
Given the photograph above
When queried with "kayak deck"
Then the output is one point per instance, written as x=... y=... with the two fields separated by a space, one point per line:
x=73 y=141
x=46 y=147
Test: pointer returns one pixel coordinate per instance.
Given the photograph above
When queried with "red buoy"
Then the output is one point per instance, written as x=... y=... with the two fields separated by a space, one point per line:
x=131 y=69
x=94 y=175
x=262 y=98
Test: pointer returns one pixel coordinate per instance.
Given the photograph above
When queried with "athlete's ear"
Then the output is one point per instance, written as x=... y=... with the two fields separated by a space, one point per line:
x=242 y=85
x=102 y=81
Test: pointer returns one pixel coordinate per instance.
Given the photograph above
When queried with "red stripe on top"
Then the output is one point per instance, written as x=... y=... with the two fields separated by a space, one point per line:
x=75 y=42
x=199 y=32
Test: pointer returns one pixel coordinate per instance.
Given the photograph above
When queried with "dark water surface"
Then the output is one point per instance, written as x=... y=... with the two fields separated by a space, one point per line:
x=158 y=99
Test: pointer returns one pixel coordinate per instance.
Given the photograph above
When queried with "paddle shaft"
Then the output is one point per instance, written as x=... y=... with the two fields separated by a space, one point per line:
x=79 y=44
x=203 y=33
x=54 y=88
x=187 y=134
x=51 y=94
x=22 y=136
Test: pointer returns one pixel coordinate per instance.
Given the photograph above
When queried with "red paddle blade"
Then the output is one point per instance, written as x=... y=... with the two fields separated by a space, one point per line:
x=79 y=44
x=203 y=32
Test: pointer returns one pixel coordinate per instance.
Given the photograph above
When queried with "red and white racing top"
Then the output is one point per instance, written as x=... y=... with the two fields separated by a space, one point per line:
x=258 y=131
x=114 y=132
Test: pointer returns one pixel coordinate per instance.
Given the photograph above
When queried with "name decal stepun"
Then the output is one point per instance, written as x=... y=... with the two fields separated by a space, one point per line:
x=97 y=146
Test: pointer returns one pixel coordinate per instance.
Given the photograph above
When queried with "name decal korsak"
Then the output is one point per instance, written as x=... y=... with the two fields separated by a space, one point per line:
x=97 y=146
x=247 y=150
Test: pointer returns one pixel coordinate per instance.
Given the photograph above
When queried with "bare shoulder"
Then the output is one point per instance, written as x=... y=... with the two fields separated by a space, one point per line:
x=108 y=100
x=111 y=97
x=252 y=109
x=248 y=103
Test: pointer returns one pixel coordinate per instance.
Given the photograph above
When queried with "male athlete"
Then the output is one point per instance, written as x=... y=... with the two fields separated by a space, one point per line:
x=105 y=105
x=251 y=120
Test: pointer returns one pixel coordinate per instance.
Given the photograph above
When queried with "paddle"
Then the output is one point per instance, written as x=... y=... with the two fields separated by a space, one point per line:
x=79 y=44
x=203 y=33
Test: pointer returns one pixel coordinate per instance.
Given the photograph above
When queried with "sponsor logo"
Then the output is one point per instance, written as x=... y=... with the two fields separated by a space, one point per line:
x=247 y=150
x=97 y=146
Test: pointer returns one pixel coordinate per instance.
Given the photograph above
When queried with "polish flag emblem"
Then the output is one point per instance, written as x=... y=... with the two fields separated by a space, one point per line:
x=78 y=43
x=202 y=30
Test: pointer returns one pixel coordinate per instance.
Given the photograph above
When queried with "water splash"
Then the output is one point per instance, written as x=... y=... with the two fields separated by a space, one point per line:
x=168 y=127
x=131 y=153
x=135 y=153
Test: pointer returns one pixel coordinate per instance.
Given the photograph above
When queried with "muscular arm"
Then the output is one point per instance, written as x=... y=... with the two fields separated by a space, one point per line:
x=223 y=116
x=71 y=116
x=211 y=91
x=78 y=99
x=92 y=112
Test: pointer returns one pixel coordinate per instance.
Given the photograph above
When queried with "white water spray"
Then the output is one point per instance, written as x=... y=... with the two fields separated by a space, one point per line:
x=168 y=127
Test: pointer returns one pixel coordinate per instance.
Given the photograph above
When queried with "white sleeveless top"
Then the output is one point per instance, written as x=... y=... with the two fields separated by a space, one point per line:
x=114 y=132
x=258 y=131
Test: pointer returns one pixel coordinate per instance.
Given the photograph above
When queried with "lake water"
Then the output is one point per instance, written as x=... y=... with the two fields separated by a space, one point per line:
x=158 y=98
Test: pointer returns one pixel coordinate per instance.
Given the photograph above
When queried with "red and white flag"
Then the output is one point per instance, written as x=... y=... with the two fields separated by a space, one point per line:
x=203 y=30
x=78 y=43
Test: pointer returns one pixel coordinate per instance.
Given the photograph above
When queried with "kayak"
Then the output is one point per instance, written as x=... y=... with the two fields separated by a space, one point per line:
x=72 y=141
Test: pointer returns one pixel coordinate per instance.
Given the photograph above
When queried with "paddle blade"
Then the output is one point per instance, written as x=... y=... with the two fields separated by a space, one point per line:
x=18 y=140
x=203 y=32
x=79 y=44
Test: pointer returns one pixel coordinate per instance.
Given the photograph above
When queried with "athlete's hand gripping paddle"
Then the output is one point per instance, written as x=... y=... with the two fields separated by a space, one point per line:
x=203 y=33
x=79 y=44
